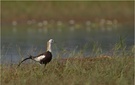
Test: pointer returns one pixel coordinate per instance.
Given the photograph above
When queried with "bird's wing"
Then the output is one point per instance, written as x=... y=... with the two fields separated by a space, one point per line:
x=39 y=58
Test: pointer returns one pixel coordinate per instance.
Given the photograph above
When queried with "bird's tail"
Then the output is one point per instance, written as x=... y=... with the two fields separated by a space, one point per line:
x=30 y=57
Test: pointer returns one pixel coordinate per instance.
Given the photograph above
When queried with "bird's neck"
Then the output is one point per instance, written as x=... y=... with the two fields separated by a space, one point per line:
x=49 y=47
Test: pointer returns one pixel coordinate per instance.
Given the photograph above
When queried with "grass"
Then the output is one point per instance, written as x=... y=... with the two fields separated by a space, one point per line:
x=101 y=70
x=76 y=69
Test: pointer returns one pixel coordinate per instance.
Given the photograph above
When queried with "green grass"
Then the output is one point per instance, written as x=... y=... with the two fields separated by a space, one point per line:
x=76 y=69
x=72 y=71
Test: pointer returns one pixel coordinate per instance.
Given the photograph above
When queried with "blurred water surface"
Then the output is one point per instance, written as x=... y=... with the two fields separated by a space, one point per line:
x=21 y=41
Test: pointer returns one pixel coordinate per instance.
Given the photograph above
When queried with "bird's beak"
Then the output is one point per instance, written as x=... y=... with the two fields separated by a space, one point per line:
x=54 y=41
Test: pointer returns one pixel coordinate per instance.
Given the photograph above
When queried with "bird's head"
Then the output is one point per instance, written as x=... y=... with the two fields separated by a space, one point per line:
x=51 y=41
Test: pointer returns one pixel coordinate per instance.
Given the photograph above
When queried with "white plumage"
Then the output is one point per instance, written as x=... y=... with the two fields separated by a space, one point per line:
x=39 y=58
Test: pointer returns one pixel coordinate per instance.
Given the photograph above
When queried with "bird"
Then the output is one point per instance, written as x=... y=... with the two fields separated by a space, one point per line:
x=43 y=58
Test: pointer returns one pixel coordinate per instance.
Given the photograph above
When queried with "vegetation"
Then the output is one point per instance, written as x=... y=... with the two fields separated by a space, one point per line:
x=100 y=70
x=77 y=69
x=67 y=10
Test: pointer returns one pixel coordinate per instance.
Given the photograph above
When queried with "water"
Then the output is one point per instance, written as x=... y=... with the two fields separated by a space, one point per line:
x=21 y=41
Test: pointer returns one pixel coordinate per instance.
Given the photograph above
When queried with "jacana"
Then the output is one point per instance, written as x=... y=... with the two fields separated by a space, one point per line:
x=43 y=58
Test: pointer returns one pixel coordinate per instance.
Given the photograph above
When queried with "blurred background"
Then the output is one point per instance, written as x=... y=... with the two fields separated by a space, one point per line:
x=89 y=27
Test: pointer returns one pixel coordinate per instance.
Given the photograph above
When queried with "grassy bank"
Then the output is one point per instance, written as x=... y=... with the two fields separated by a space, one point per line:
x=72 y=71
x=66 y=10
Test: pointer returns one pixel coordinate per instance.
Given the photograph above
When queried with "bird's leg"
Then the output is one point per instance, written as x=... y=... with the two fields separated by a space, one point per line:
x=44 y=65
x=44 y=68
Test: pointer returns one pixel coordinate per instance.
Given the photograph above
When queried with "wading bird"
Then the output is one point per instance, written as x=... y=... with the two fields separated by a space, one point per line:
x=43 y=58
